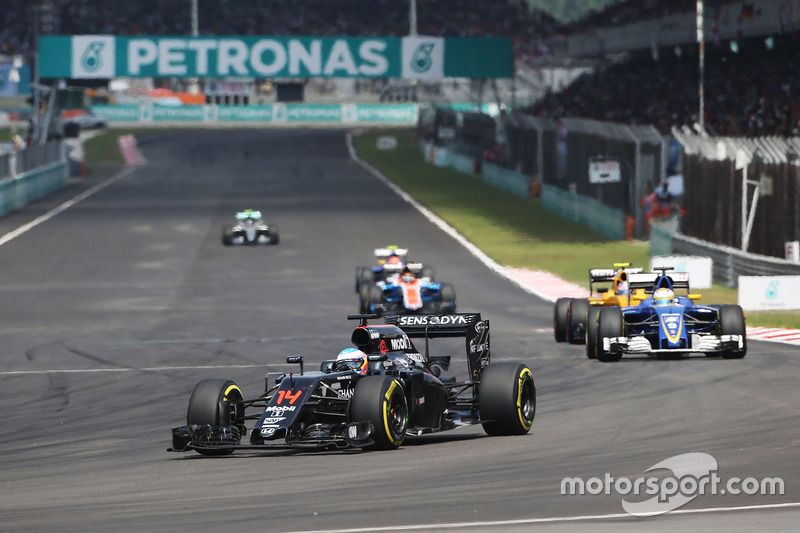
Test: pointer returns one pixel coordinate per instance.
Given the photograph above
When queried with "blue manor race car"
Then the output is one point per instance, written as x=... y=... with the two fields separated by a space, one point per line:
x=371 y=396
x=389 y=261
x=408 y=292
x=666 y=324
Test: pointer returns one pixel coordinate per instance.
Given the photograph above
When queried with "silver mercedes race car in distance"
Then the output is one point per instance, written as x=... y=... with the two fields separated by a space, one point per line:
x=250 y=229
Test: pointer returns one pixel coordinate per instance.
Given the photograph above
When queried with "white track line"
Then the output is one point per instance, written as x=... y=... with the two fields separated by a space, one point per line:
x=145 y=369
x=66 y=205
x=551 y=520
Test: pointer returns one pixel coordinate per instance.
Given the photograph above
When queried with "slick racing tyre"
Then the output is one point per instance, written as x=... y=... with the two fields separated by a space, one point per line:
x=731 y=322
x=227 y=237
x=507 y=399
x=577 y=311
x=381 y=401
x=274 y=235
x=609 y=325
x=560 y=319
x=214 y=403
x=428 y=272
x=447 y=295
x=591 y=331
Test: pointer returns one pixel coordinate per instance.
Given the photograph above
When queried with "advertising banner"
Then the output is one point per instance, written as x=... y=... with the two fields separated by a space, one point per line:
x=319 y=114
x=769 y=293
x=418 y=57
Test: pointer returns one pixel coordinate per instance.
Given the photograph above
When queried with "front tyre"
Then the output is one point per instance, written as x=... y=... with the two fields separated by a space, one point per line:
x=216 y=402
x=731 y=322
x=609 y=325
x=381 y=401
x=507 y=399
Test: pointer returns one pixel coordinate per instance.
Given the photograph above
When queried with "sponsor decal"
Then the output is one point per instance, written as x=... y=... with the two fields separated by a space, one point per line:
x=481 y=326
x=374 y=335
x=401 y=344
x=672 y=323
x=476 y=348
x=268 y=432
x=382 y=347
x=431 y=320
x=278 y=410
x=273 y=420
x=342 y=378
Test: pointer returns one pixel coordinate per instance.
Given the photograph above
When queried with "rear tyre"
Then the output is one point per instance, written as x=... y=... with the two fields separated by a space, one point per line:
x=560 y=319
x=213 y=403
x=507 y=399
x=577 y=312
x=381 y=401
x=591 y=331
x=609 y=325
x=274 y=235
x=731 y=322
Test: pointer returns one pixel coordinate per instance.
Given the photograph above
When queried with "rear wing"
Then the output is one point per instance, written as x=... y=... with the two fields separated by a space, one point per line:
x=647 y=281
x=382 y=253
x=468 y=325
x=607 y=275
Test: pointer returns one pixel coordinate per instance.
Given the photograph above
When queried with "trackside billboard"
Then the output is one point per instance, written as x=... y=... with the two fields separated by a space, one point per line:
x=419 y=57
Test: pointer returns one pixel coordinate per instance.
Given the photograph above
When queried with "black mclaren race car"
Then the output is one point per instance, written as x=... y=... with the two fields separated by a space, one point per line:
x=372 y=401
x=250 y=229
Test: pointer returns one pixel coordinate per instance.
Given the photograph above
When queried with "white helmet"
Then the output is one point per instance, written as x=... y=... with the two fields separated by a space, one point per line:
x=352 y=358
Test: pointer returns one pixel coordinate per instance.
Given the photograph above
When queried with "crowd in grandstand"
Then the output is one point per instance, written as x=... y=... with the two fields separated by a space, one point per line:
x=750 y=93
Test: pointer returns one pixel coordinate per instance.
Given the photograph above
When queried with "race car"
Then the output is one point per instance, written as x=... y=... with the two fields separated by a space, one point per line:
x=389 y=261
x=250 y=229
x=663 y=324
x=409 y=291
x=570 y=315
x=371 y=396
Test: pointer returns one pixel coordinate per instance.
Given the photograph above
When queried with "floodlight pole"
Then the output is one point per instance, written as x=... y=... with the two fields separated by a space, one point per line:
x=701 y=53
x=412 y=17
x=194 y=85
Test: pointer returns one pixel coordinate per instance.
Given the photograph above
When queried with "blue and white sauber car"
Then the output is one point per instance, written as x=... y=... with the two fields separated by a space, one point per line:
x=666 y=324
x=379 y=392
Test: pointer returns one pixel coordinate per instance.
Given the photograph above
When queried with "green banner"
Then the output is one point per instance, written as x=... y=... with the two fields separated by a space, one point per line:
x=418 y=57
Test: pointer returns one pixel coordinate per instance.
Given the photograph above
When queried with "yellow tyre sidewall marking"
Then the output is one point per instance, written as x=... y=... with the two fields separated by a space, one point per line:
x=521 y=379
x=386 y=427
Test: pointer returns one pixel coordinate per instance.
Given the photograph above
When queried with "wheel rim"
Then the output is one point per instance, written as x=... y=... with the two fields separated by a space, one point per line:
x=527 y=401
x=396 y=416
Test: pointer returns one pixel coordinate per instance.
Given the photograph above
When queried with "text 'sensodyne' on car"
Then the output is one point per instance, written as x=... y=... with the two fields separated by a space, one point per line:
x=386 y=392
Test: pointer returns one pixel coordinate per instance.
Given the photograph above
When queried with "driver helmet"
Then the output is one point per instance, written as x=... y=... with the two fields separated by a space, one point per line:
x=408 y=276
x=353 y=358
x=663 y=296
x=622 y=287
x=393 y=260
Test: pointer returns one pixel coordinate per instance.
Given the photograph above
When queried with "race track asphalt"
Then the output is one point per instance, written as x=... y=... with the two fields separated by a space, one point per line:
x=116 y=306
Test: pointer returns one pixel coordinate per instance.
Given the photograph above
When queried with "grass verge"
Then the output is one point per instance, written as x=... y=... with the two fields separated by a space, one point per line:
x=516 y=231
